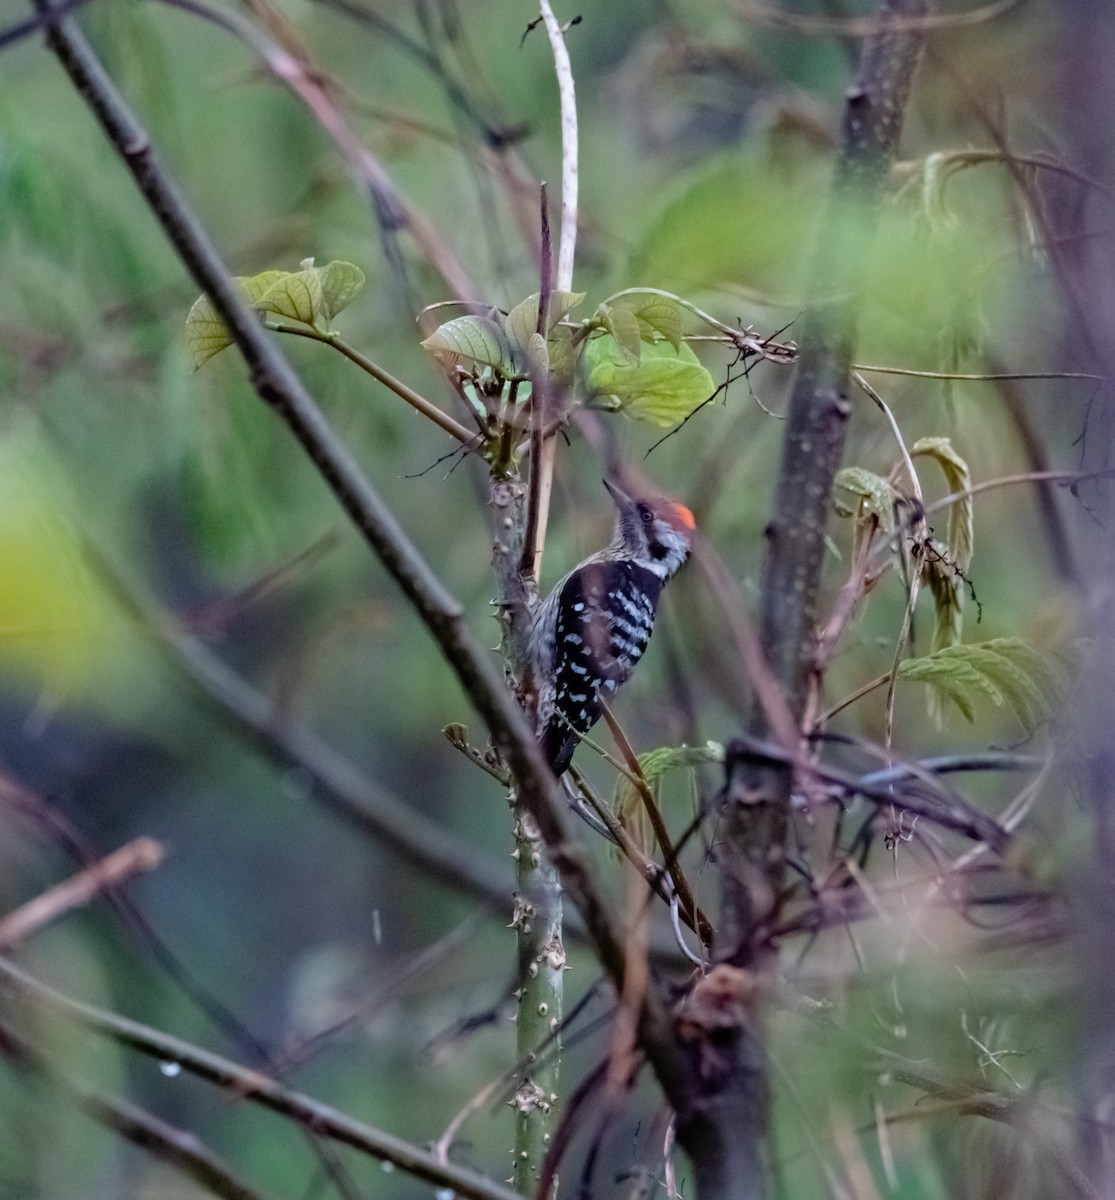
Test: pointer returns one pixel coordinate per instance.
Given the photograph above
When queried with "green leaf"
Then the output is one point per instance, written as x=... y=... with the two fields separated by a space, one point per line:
x=519 y=326
x=663 y=387
x=312 y=296
x=538 y=355
x=658 y=317
x=1004 y=670
x=521 y=323
x=876 y=495
x=958 y=680
x=960 y=536
x=206 y=334
x=478 y=339
x=298 y=296
x=563 y=358
x=947 y=589
x=340 y=283
x=623 y=325
x=627 y=803
x=747 y=217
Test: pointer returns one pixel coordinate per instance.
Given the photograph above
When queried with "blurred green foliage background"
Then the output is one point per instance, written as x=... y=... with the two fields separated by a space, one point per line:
x=707 y=140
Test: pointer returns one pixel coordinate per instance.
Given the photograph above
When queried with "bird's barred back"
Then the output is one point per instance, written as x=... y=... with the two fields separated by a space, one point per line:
x=604 y=621
x=592 y=629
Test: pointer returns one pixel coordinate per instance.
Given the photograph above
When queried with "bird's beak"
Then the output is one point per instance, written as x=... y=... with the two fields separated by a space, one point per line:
x=622 y=499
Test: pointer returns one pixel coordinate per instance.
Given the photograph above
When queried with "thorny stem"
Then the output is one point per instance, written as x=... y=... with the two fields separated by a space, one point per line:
x=541 y=948
x=538 y=915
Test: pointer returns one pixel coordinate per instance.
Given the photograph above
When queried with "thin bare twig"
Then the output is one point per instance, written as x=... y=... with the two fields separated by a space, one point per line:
x=822 y=25
x=138 y=856
x=415 y=399
x=256 y=1088
x=921 y=531
x=176 y=1147
x=985 y=378
x=567 y=245
x=391 y=207
x=531 y=559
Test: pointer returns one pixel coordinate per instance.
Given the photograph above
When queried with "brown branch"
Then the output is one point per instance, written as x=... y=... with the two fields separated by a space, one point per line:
x=256 y=1088
x=301 y=77
x=539 y=394
x=722 y=1124
x=138 y=856
x=821 y=25
x=179 y=1149
x=338 y=785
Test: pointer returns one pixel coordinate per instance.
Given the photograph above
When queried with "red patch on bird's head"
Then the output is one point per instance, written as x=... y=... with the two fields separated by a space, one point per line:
x=677 y=514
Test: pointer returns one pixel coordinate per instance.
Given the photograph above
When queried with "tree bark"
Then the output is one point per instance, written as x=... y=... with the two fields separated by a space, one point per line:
x=722 y=1124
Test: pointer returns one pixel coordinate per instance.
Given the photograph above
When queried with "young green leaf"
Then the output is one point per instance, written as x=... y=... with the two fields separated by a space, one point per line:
x=623 y=325
x=312 y=296
x=960 y=535
x=521 y=323
x=947 y=589
x=478 y=339
x=954 y=677
x=340 y=283
x=563 y=358
x=298 y=296
x=876 y=495
x=664 y=387
x=658 y=317
x=627 y=803
x=1005 y=670
x=206 y=333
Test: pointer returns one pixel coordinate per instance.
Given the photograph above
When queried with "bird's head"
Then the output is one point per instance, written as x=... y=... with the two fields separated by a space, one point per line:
x=654 y=531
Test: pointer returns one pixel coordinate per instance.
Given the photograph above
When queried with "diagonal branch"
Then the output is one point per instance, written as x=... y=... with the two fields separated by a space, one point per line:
x=256 y=1088
x=176 y=1147
x=280 y=388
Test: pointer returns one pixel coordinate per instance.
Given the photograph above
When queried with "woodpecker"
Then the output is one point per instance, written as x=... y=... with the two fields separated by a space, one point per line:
x=592 y=629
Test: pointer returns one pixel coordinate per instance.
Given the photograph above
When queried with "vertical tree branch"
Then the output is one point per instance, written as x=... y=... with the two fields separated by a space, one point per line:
x=538 y=916
x=538 y=902
x=569 y=152
x=566 y=246
x=757 y=793
x=1087 y=266
x=722 y=1127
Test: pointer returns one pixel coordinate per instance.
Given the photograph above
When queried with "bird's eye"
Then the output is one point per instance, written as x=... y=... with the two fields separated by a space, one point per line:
x=646 y=514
